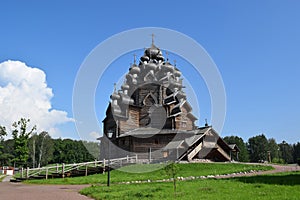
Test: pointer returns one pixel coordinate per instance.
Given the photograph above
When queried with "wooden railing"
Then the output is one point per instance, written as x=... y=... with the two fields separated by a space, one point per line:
x=63 y=169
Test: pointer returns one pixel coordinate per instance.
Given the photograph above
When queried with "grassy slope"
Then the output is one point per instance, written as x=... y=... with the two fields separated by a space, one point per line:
x=2 y=177
x=185 y=170
x=282 y=186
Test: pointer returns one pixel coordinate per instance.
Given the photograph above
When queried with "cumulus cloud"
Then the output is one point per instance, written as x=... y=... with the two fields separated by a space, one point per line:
x=24 y=93
x=93 y=135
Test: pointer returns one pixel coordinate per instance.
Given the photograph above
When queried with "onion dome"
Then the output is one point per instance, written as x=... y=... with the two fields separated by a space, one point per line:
x=134 y=69
x=115 y=96
x=167 y=67
x=153 y=52
x=160 y=57
x=177 y=73
x=125 y=86
x=145 y=58
x=150 y=66
x=129 y=76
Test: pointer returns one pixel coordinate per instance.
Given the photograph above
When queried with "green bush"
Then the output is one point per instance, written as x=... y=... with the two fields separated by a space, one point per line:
x=278 y=160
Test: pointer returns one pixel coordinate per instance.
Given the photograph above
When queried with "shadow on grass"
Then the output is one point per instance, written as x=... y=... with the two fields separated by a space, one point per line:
x=276 y=179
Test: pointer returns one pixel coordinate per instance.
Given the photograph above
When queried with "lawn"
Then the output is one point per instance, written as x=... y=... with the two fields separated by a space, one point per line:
x=278 y=186
x=184 y=170
x=2 y=177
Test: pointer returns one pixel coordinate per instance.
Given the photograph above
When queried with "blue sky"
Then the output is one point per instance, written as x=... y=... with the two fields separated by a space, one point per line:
x=255 y=45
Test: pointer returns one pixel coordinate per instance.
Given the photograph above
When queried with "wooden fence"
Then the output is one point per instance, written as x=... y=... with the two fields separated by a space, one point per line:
x=64 y=169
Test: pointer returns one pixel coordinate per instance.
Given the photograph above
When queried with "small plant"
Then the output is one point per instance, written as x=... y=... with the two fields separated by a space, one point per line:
x=171 y=170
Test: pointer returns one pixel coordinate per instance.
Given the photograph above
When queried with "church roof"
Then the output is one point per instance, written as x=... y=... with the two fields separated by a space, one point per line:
x=174 y=145
x=191 y=140
x=148 y=131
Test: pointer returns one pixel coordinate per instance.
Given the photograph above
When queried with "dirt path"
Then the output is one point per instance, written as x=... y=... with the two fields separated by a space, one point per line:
x=277 y=169
x=17 y=191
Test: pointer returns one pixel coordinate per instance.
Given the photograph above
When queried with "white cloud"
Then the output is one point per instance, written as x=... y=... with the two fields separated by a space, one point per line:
x=24 y=93
x=93 y=136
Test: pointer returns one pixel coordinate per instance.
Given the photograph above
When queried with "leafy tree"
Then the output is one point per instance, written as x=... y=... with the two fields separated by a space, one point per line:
x=258 y=147
x=70 y=151
x=93 y=148
x=6 y=157
x=21 y=137
x=32 y=150
x=296 y=153
x=286 y=152
x=243 y=154
x=41 y=149
x=273 y=148
x=2 y=134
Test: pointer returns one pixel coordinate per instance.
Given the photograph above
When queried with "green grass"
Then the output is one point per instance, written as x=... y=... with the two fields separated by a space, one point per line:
x=185 y=170
x=292 y=178
x=278 y=186
x=2 y=177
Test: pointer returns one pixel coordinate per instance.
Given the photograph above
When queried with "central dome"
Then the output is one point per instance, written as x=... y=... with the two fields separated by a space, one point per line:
x=153 y=52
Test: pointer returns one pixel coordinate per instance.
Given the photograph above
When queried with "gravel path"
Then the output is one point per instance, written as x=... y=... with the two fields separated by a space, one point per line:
x=17 y=191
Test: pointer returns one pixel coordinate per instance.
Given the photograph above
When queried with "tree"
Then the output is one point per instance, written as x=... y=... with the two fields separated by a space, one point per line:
x=296 y=153
x=243 y=154
x=258 y=147
x=21 y=137
x=93 y=148
x=286 y=152
x=273 y=148
x=70 y=151
x=44 y=148
x=6 y=157
x=41 y=149
x=2 y=134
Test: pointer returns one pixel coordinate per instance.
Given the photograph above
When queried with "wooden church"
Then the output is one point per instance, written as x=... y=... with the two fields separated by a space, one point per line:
x=151 y=117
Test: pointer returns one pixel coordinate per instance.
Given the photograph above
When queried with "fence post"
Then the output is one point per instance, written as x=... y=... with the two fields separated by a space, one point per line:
x=86 y=170
x=136 y=158
x=95 y=163
x=104 y=166
x=127 y=158
x=150 y=155
x=46 y=173
x=56 y=167
x=63 y=170
x=22 y=171
x=27 y=172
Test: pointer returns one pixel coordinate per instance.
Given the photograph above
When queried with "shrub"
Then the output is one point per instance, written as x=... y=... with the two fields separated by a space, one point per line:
x=278 y=160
